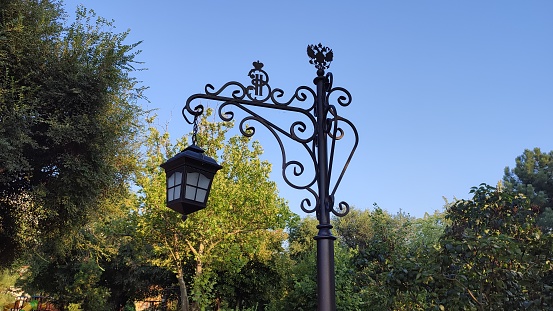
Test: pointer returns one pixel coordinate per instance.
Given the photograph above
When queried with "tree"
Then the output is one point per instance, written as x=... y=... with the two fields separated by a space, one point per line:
x=244 y=219
x=493 y=256
x=299 y=270
x=78 y=276
x=379 y=241
x=129 y=276
x=370 y=251
x=69 y=116
x=392 y=263
x=533 y=176
x=427 y=231
x=8 y=277
x=252 y=288
x=411 y=275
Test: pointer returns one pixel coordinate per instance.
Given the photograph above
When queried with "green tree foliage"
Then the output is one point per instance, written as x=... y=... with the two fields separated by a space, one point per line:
x=379 y=241
x=391 y=259
x=414 y=275
x=73 y=279
x=493 y=256
x=8 y=277
x=68 y=118
x=299 y=272
x=242 y=225
x=78 y=276
x=299 y=268
x=251 y=288
x=533 y=177
x=107 y=269
x=130 y=277
x=377 y=262
x=427 y=231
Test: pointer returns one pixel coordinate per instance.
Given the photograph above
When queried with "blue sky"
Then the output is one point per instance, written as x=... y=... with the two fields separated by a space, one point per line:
x=445 y=93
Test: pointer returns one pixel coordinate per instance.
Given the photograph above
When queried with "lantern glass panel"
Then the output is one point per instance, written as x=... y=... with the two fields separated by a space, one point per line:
x=174 y=186
x=200 y=195
x=190 y=193
x=196 y=186
x=203 y=182
x=192 y=178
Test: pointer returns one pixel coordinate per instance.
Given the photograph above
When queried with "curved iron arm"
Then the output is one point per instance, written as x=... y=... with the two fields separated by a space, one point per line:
x=260 y=94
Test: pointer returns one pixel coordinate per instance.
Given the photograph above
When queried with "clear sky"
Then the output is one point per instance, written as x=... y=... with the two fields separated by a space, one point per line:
x=445 y=93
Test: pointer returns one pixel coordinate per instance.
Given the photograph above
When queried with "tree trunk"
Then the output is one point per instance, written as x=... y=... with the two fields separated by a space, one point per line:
x=199 y=270
x=199 y=265
x=182 y=286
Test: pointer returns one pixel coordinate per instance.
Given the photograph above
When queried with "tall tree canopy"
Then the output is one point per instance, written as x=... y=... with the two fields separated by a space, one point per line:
x=68 y=118
x=533 y=177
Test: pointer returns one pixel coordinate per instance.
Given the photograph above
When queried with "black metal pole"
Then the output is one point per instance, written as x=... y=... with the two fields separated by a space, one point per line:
x=326 y=296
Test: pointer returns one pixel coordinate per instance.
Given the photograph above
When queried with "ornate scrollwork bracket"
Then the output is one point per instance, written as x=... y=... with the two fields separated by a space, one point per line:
x=259 y=94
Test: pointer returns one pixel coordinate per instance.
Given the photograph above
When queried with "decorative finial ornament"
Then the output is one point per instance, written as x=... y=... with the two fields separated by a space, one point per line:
x=320 y=55
x=260 y=78
x=257 y=65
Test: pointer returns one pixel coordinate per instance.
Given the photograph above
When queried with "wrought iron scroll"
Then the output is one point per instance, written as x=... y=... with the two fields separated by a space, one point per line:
x=260 y=94
x=336 y=132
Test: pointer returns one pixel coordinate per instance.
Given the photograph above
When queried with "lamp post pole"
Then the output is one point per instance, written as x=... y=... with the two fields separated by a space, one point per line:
x=325 y=240
x=320 y=124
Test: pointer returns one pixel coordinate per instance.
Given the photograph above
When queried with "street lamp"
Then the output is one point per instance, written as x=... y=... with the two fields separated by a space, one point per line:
x=189 y=175
x=317 y=133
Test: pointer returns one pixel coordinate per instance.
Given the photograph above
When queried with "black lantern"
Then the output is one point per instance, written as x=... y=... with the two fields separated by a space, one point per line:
x=189 y=176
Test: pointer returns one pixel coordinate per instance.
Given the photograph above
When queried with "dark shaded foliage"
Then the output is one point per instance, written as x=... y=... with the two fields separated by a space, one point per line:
x=67 y=116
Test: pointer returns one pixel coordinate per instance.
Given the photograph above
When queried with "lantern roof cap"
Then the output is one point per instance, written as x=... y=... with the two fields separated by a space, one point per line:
x=193 y=152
